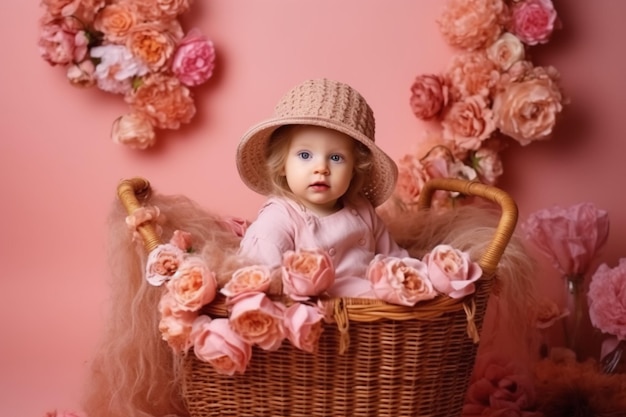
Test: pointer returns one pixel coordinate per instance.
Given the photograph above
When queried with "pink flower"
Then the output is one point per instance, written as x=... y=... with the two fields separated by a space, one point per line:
x=527 y=111
x=194 y=284
x=607 y=299
x=499 y=388
x=506 y=51
x=116 y=68
x=533 y=20
x=115 y=21
x=82 y=74
x=429 y=95
x=472 y=24
x=182 y=240
x=570 y=237
x=134 y=130
x=163 y=262
x=215 y=342
x=472 y=73
x=175 y=324
x=468 y=123
x=258 y=320
x=400 y=281
x=451 y=271
x=254 y=278
x=152 y=44
x=411 y=179
x=547 y=313
x=194 y=59
x=488 y=165
x=62 y=42
x=307 y=272
x=303 y=326
x=236 y=224
x=163 y=100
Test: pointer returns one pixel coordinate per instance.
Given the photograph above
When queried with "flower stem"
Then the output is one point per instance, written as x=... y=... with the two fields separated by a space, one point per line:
x=575 y=290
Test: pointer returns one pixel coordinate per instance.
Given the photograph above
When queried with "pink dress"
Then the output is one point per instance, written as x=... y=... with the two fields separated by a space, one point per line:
x=352 y=237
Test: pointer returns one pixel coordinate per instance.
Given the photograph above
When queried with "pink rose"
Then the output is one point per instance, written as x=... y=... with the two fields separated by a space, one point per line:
x=258 y=320
x=471 y=74
x=194 y=59
x=607 y=299
x=411 y=179
x=468 y=123
x=547 y=313
x=215 y=342
x=254 y=278
x=429 y=95
x=175 y=324
x=527 y=111
x=303 y=326
x=236 y=224
x=182 y=240
x=133 y=130
x=488 y=165
x=506 y=51
x=307 y=272
x=194 y=284
x=400 y=281
x=62 y=42
x=82 y=74
x=451 y=271
x=163 y=262
x=472 y=24
x=533 y=21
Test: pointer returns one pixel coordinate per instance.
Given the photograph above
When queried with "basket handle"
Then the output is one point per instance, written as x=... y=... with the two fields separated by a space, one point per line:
x=508 y=219
x=129 y=191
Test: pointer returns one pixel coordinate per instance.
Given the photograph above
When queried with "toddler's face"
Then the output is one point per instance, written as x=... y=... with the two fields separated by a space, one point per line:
x=319 y=167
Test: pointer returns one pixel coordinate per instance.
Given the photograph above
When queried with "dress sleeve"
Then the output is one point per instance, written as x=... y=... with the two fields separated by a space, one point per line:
x=269 y=236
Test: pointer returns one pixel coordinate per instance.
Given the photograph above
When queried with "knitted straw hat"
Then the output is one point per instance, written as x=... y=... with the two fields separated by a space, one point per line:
x=325 y=103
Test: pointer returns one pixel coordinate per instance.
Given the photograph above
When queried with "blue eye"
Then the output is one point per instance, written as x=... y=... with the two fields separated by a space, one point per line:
x=336 y=158
x=304 y=155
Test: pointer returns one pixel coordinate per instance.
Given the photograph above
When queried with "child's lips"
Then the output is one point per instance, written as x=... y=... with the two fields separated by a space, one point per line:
x=319 y=186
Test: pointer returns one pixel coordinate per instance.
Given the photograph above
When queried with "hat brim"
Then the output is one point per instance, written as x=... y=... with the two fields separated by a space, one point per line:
x=379 y=183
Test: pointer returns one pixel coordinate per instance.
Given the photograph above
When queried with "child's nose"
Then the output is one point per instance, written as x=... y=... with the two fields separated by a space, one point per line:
x=321 y=168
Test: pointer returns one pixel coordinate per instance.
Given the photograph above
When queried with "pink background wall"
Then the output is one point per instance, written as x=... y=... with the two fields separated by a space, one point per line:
x=59 y=169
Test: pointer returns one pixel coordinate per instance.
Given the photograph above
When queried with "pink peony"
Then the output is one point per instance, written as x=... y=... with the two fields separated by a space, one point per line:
x=194 y=284
x=163 y=262
x=194 y=59
x=258 y=320
x=306 y=273
x=116 y=68
x=570 y=237
x=429 y=95
x=533 y=20
x=468 y=123
x=62 y=42
x=472 y=24
x=303 y=326
x=133 y=130
x=607 y=299
x=215 y=342
x=451 y=271
x=254 y=278
x=400 y=281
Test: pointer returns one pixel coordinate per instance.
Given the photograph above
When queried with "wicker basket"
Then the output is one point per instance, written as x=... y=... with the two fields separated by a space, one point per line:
x=377 y=359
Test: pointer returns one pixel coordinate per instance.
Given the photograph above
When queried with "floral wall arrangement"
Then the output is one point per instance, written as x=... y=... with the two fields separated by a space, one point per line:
x=137 y=49
x=490 y=96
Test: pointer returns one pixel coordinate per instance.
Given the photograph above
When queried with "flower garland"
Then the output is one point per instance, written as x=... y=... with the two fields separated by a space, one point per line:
x=134 y=48
x=490 y=94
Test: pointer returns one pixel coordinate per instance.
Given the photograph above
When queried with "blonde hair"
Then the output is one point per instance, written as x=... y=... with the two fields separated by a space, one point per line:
x=276 y=155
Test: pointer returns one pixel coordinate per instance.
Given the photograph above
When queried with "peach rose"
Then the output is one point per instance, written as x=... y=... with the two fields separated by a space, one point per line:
x=307 y=272
x=533 y=21
x=527 y=111
x=451 y=271
x=402 y=281
x=152 y=44
x=82 y=74
x=182 y=240
x=194 y=59
x=607 y=300
x=175 y=324
x=82 y=10
x=164 y=100
x=411 y=179
x=115 y=21
x=472 y=73
x=254 y=278
x=194 y=284
x=173 y=7
x=547 y=313
x=133 y=130
x=506 y=51
x=429 y=95
x=163 y=262
x=303 y=325
x=161 y=9
x=472 y=24
x=258 y=320
x=468 y=123
x=215 y=342
x=488 y=165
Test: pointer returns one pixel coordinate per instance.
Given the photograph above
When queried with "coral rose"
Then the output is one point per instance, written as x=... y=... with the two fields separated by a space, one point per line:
x=303 y=326
x=468 y=123
x=175 y=324
x=429 y=95
x=134 y=130
x=151 y=44
x=307 y=272
x=254 y=278
x=527 y=111
x=472 y=24
x=506 y=51
x=451 y=271
x=163 y=262
x=533 y=21
x=215 y=342
x=400 y=281
x=258 y=320
x=194 y=59
x=607 y=299
x=472 y=73
x=193 y=285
